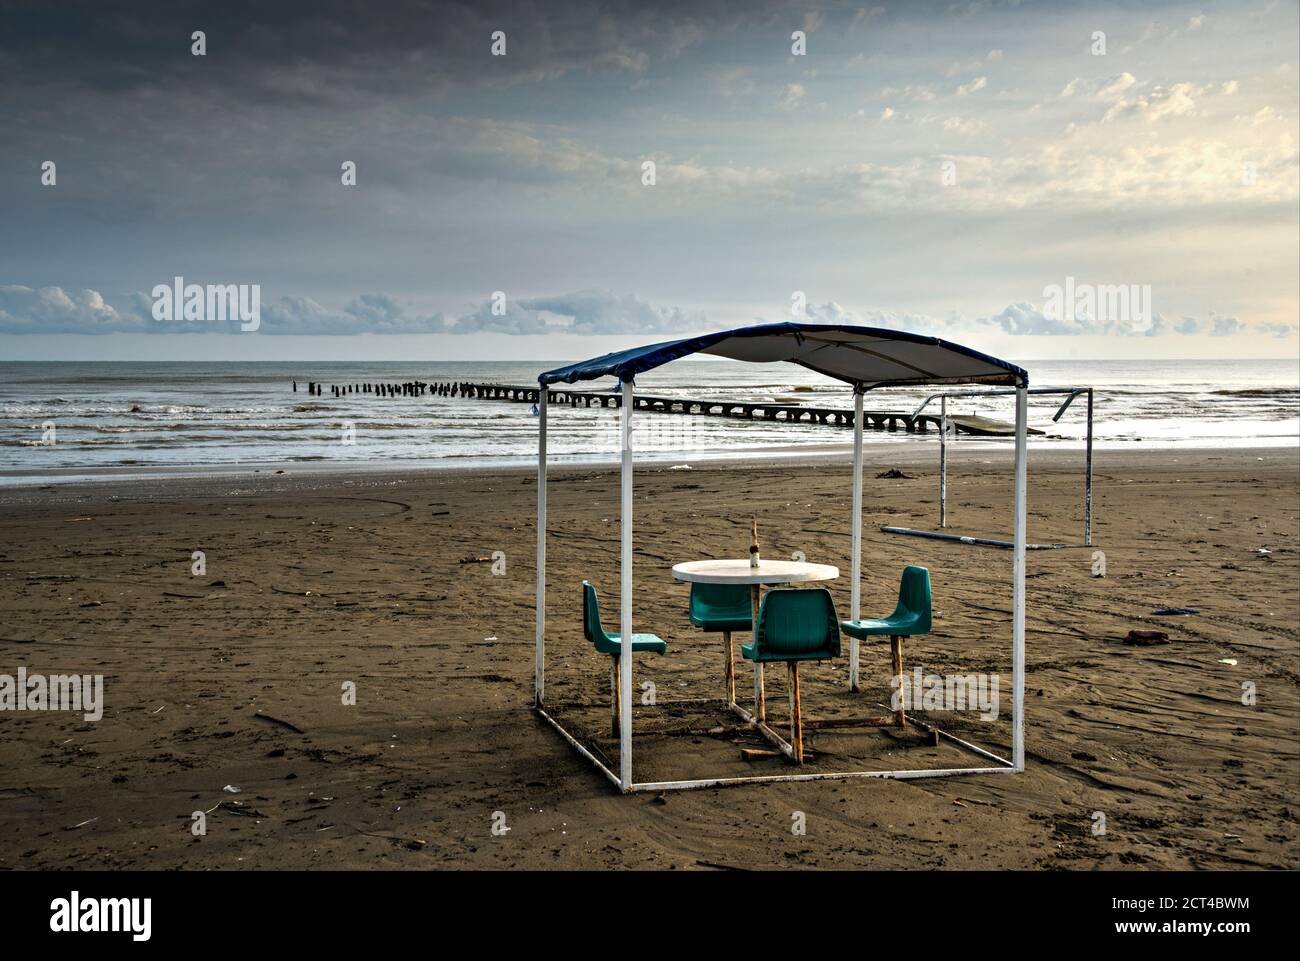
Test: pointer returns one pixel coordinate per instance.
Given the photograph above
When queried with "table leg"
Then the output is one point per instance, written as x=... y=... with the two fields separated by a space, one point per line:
x=760 y=699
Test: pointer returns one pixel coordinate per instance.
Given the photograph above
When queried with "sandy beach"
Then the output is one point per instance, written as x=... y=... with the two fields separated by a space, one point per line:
x=313 y=581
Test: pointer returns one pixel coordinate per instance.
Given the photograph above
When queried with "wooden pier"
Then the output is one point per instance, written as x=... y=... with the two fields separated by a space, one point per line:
x=743 y=410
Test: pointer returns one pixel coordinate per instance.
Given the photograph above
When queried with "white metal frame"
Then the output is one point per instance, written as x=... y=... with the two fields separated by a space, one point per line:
x=623 y=780
x=942 y=534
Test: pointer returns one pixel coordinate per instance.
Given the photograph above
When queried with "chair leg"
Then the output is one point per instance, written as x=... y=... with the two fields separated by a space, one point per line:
x=796 y=713
x=760 y=696
x=896 y=644
x=730 y=674
x=616 y=694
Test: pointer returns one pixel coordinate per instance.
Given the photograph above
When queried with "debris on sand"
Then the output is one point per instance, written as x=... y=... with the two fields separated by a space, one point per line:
x=893 y=474
x=1146 y=638
x=238 y=807
x=262 y=716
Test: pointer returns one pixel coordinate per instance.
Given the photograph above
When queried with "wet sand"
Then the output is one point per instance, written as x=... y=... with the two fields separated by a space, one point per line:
x=237 y=677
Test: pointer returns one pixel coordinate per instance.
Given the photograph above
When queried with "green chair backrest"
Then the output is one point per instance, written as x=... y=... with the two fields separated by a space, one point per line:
x=710 y=601
x=797 y=622
x=591 y=628
x=914 y=597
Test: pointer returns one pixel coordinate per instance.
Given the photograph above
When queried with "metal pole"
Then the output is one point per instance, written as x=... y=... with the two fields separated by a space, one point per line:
x=855 y=565
x=1087 y=483
x=943 y=461
x=625 y=598
x=539 y=663
x=1018 y=588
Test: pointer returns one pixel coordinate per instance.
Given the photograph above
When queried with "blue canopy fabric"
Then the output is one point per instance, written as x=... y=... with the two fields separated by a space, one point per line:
x=865 y=357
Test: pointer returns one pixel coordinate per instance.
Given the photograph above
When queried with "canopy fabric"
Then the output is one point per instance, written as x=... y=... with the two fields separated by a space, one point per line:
x=866 y=357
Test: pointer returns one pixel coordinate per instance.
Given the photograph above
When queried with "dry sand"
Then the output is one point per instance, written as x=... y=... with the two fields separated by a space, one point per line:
x=313 y=581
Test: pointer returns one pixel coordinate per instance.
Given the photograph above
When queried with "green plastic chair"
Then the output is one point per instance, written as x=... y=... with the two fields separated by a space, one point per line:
x=721 y=607
x=612 y=644
x=794 y=626
x=724 y=608
x=911 y=618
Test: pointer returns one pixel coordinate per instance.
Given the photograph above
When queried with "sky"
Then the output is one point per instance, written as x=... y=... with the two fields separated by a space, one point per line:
x=944 y=168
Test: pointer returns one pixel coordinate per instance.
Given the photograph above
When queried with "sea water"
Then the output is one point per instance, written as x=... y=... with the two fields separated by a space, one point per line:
x=107 y=416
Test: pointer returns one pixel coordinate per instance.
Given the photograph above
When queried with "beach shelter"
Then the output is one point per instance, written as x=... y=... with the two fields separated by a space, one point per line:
x=866 y=358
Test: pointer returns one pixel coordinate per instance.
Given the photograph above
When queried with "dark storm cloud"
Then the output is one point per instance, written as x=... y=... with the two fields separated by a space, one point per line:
x=524 y=173
x=333 y=51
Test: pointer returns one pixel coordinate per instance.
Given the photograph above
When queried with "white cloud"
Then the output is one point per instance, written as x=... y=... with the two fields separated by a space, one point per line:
x=583 y=312
x=24 y=310
x=52 y=310
x=909 y=92
x=1161 y=102
x=1221 y=326
x=1108 y=88
x=1025 y=318
x=790 y=97
x=1263 y=115
x=1115 y=86
x=979 y=83
x=963 y=125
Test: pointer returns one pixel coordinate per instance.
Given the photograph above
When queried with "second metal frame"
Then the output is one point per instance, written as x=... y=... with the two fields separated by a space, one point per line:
x=943 y=535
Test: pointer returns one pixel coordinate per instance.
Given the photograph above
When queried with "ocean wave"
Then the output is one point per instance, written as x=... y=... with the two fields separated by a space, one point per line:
x=1287 y=393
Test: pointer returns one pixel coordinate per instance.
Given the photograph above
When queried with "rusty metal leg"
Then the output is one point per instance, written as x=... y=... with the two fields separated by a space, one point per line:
x=613 y=683
x=796 y=714
x=896 y=645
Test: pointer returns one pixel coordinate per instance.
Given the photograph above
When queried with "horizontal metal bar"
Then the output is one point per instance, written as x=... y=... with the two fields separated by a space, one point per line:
x=771 y=778
x=788 y=751
x=604 y=705
x=995 y=392
x=1007 y=768
x=977 y=541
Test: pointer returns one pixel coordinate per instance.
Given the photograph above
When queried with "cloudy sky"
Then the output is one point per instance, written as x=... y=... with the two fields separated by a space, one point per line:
x=936 y=167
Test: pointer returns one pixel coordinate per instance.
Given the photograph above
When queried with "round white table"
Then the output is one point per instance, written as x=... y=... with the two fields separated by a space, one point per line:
x=767 y=572
x=739 y=572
